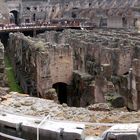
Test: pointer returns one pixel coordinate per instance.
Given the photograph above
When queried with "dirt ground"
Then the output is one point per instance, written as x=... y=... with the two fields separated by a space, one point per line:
x=22 y=104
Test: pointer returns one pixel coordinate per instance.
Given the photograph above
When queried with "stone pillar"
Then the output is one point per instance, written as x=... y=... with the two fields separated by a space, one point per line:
x=135 y=84
x=100 y=87
x=138 y=25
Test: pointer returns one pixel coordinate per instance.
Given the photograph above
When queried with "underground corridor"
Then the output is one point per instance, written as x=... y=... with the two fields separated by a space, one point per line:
x=61 y=90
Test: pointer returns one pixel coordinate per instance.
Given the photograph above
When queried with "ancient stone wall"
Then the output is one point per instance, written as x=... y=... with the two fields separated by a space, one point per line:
x=4 y=15
x=111 y=14
x=105 y=60
x=54 y=67
x=23 y=61
x=97 y=66
x=38 y=65
x=2 y=66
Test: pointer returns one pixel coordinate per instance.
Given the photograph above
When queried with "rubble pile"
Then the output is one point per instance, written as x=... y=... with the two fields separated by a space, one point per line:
x=22 y=104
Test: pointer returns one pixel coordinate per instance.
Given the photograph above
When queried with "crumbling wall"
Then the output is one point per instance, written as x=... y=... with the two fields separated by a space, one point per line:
x=108 y=58
x=23 y=59
x=2 y=66
x=112 y=14
x=39 y=65
x=97 y=66
x=4 y=15
x=55 y=65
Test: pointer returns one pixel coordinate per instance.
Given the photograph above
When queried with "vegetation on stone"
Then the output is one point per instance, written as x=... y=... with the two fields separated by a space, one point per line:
x=10 y=76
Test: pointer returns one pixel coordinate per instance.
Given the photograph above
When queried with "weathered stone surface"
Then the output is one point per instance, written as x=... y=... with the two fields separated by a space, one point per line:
x=42 y=107
x=84 y=13
x=4 y=15
x=45 y=65
x=99 y=107
x=118 y=101
x=52 y=95
x=19 y=104
x=27 y=102
x=2 y=66
x=83 y=66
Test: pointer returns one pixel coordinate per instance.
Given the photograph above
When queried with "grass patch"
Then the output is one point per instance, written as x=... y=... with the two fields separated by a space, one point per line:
x=12 y=82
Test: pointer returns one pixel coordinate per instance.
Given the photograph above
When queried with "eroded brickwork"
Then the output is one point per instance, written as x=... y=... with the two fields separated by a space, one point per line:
x=38 y=65
x=103 y=13
x=2 y=66
x=97 y=66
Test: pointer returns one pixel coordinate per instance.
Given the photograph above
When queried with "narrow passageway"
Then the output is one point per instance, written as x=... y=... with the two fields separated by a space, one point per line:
x=61 y=89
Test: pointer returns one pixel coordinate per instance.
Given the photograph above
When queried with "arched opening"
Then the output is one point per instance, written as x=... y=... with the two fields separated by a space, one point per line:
x=28 y=8
x=61 y=89
x=124 y=22
x=34 y=17
x=73 y=14
x=15 y=17
x=89 y=4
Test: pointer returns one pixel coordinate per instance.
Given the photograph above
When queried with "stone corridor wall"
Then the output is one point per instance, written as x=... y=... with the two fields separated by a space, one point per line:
x=38 y=64
x=2 y=66
x=98 y=66
x=104 y=64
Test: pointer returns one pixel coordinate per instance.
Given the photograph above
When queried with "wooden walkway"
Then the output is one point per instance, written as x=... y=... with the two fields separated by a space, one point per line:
x=33 y=28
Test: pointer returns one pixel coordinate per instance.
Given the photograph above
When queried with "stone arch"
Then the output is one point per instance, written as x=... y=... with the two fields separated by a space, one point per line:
x=74 y=12
x=73 y=15
x=15 y=15
x=61 y=89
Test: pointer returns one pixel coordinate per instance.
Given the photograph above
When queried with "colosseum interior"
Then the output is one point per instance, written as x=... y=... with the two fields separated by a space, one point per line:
x=76 y=61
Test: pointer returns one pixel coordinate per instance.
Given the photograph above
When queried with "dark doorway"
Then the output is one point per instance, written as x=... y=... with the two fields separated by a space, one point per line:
x=61 y=89
x=15 y=16
x=103 y=22
x=27 y=20
x=73 y=14
x=124 y=22
x=34 y=17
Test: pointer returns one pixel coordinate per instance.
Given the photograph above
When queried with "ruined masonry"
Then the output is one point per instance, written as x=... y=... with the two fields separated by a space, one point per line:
x=2 y=66
x=84 y=67
x=97 y=13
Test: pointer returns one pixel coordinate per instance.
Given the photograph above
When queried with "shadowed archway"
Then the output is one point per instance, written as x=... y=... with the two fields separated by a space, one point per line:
x=15 y=17
x=61 y=89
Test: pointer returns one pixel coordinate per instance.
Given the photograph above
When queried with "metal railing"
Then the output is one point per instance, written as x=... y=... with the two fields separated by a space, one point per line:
x=38 y=127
